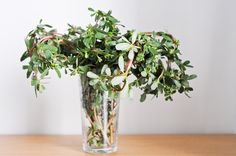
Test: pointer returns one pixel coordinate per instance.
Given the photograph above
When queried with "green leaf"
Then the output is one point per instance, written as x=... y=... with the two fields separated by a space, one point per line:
x=104 y=67
x=92 y=75
x=131 y=54
x=87 y=42
x=144 y=73
x=123 y=46
x=34 y=82
x=167 y=37
x=91 y=9
x=24 y=56
x=192 y=77
x=58 y=72
x=143 y=97
x=117 y=80
x=153 y=51
x=28 y=73
x=93 y=82
x=99 y=35
x=177 y=83
x=47 y=54
x=29 y=43
x=186 y=62
x=83 y=69
x=108 y=71
x=149 y=80
x=25 y=67
x=103 y=86
x=41 y=88
x=46 y=47
x=44 y=73
x=124 y=39
x=121 y=63
x=140 y=56
x=154 y=85
x=125 y=91
x=134 y=37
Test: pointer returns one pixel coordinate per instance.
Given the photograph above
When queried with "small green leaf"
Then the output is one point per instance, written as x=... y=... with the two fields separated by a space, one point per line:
x=186 y=62
x=123 y=46
x=29 y=43
x=25 y=67
x=154 y=86
x=177 y=83
x=91 y=9
x=105 y=66
x=117 y=80
x=82 y=69
x=144 y=73
x=131 y=54
x=103 y=86
x=45 y=72
x=92 y=75
x=47 y=54
x=28 y=73
x=140 y=56
x=124 y=39
x=125 y=91
x=143 y=97
x=99 y=35
x=24 y=56
x=41 y=88
x=93 y=82
x=58 y=72
x=192 y=77
x=34 y=82
x=149 y=80
x=134 y=36
x=108 y=71
x=121 y=63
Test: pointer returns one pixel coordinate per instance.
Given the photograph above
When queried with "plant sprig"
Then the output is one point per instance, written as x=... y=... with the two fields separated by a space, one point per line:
x=108 y=57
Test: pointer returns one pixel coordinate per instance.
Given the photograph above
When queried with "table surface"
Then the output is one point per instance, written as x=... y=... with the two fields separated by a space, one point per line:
x=133 y=145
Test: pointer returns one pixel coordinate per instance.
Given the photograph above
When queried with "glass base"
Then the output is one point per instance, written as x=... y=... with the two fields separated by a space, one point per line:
x=105 y=150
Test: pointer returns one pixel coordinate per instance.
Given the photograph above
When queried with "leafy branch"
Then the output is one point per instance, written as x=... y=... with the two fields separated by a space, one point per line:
x=108 y=58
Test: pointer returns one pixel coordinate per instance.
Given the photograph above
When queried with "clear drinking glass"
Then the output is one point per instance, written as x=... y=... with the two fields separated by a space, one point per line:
x=100 y=113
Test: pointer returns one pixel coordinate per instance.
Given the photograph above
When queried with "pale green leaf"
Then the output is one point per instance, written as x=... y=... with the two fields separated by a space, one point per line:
x=131 y=54
x=143 y=97
x=149 y=80
x=108 y=71
x=44 y=73
x=144 y=73
x=154 y=86
x=134 y=36
x=123 y=46
x=58 y=72
x=125 y=91
x=117 y=80
x=121 y=63
x=105 y=66
x=93 y=82
x=92 y=75
x=177 y=83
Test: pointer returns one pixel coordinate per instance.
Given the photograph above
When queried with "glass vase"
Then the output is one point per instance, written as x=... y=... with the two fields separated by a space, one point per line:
x=100 y=112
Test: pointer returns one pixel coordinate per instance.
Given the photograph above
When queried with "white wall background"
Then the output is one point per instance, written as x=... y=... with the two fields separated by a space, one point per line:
x=206 y=29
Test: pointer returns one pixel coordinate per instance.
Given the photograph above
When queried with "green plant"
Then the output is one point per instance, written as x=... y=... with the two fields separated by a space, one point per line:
x=108 y=57
x=109 y=61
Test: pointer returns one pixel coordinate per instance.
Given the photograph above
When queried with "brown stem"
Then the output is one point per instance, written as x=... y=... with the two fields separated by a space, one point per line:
x=111 y=134
x=148 y=33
